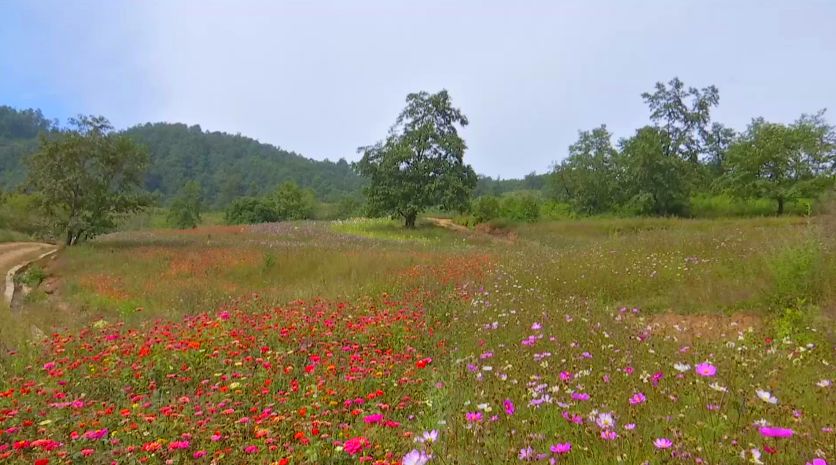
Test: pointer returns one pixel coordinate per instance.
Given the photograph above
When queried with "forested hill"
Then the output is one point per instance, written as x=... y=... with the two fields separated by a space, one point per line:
x=227 y=166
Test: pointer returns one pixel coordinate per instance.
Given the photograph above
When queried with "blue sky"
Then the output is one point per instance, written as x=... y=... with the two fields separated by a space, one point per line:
x=324 y=77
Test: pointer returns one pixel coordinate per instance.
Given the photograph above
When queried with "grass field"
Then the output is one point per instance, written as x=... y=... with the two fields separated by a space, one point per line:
x=652 y=341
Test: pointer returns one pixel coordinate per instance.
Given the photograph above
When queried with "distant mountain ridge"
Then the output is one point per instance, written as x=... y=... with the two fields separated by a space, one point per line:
x=227 y=166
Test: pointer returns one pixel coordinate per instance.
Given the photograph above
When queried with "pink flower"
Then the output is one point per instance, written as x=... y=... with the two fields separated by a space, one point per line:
x=354 y=445
x=216 y=437
x=608 y=435
x=175 y=445
x=509 y=407
x=775 y=432
x=251 y=449
x=94 y=434
x=706 y=369
x=199 y=454
x=224 y=315
x=415 y=457
x=637 y=398
x=580 y=396
x=473 y=417
x=817 y=461
x=87 y=452
x=565 y=376
x=373 y=418
x=662 y=443
x=561 y=448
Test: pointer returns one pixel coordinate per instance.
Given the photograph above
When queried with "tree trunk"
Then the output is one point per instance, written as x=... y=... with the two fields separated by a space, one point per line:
x=410 y=220
x=780 y=206
x=69 y=241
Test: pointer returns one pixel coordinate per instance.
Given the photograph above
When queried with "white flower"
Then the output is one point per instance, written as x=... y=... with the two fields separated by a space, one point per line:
x=681 y=367
x=766 y=396
x=823 y=383
x=716 y=386
x=605 y=421
x=428 y=436
x=761 y=422
x=416 y=457
x=484 y=407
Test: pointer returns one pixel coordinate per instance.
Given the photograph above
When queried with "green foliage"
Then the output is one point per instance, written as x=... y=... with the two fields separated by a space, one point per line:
x=348 y=207
x=185 y=209
x=292 y=203
x=522 y=207
x=420 y=164
x=486 y=185
x=85 y=177
x=683 y=116
x=782 y=162
x=250 y=210
x=32 y=277
x=19 y=130
x=485 y=208
x=19 y=212
x=588 y=178
x=797 y=274
x=654 y=181
x=726 y=206
x=794 y=322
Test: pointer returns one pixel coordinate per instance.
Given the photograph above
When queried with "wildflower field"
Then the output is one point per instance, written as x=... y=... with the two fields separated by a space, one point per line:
x=631 y=341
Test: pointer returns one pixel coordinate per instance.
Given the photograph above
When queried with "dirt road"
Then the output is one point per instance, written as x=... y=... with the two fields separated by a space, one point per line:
x=13 y=254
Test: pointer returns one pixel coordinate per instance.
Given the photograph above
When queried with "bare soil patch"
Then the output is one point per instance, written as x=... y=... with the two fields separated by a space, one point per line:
x=689 y=328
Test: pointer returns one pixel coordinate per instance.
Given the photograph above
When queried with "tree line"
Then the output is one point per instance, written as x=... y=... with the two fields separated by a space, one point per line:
x=683 y=152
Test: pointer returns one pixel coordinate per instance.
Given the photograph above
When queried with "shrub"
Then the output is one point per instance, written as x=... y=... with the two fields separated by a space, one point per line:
x=796 y=273
x=292 y=202
x=524 y=207
x=485 y=208
x=250 y=210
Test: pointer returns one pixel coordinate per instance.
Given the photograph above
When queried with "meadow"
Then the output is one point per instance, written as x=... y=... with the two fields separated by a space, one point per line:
x=635 y=340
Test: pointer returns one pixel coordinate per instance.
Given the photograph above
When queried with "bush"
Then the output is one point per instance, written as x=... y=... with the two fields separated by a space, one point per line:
x=523 y=207
x=250 y=210
x=485 y=208
x=293 y=203
x=185 y=208
x=19 y=212
x=553 y=210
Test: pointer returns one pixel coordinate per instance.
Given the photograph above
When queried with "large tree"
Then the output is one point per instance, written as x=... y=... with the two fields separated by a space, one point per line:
x=86 y=176
x=420 y=164
x=654 y=181
x=684 y=114
x=782 y=162
x=588 y=175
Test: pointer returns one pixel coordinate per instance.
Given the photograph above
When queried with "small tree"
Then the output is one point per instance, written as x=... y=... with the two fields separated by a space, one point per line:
x=185 y=209
x=87 y=176
x=485 y=208
x=293 y=203
x=782 y=162
x=420 y=164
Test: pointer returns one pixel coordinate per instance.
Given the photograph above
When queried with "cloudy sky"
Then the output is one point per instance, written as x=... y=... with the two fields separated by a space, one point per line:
x=324 y=77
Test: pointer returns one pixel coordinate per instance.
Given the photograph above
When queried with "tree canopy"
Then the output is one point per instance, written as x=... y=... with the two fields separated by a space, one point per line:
x=185 y=209
x=782 y=162
x=84 y=177
x=421 y=162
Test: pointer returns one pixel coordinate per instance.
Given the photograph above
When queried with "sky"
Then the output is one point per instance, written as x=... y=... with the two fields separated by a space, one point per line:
x=322 y=78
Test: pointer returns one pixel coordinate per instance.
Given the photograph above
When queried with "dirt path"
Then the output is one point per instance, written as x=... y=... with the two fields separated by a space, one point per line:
x=13 y=254
x=448 y=223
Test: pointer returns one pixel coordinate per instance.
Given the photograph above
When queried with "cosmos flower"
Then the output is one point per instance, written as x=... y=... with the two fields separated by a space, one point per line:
x=766 y=396
x=817 y=461
x=706 y=369
x=473 y=417
x=681 y=367
x=823 y=384
x=775 y=432
x=637 y=398
x=428 y=436
x=561 y=448
x=509 y=407
x=415 y=457
x=605 y=421
x=662 y=443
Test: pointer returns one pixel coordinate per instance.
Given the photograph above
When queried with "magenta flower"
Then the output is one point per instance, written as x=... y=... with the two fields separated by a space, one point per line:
x=706 y=369
x=637 y=398
x=565 y=376
x=473 y=417
x=608 y=435
x=775 y=432
x=199 y=454
x=509 y=407
x=580 y=396
x=355 y=445
x=251 y=449
x=561 y=448
x=817 y=461
x=174 y=445
x=662 y=443
x=373 y=418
